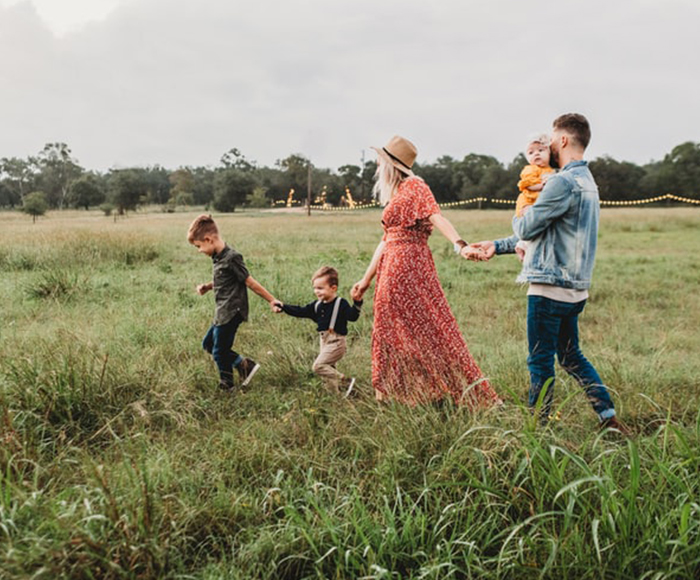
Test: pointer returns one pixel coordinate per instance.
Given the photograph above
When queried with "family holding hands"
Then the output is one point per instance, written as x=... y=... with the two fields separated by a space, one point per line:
x=418 y=352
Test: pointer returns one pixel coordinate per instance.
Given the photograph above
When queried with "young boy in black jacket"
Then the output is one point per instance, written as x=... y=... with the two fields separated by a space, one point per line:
x=331 y=314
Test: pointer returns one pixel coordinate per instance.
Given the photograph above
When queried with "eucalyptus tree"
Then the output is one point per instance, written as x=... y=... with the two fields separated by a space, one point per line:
x=19 y=176
x=295 y=168
x=203 y=185
x=616 y=180
x=234 y=159
x=182 y=187
x=680 y=170
x=231 y=188
x=57 y=169
x=126 y=189
x=440 y=177
x=7 y=196
x=86 y=191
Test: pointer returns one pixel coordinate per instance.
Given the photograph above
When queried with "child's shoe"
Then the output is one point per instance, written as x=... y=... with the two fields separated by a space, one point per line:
x=347 y=387
x=226 y=382
x=246 y=369
x=615 y=424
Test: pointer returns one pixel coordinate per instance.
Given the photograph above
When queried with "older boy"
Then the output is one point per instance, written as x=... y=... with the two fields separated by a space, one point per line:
x=331 y=314
x=562 y=228
x=230 y=283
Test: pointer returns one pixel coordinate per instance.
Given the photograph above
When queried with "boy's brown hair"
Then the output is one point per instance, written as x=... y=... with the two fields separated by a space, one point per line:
x=326 y=272
x=575 y=125
x=202 y=226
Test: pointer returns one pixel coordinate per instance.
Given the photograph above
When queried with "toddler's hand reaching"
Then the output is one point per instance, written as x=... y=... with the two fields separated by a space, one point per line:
x=358 y=291
x=276 y=306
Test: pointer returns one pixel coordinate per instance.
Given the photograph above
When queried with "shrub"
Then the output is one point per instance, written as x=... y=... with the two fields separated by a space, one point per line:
x=35 y=205
x=56 y=284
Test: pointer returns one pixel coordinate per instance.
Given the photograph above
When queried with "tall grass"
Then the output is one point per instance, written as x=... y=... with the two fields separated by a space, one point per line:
x=119 y=458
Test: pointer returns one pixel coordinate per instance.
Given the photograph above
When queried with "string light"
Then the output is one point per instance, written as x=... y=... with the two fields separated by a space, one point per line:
x=358 y=205
x=651 y=200
x=631 y=202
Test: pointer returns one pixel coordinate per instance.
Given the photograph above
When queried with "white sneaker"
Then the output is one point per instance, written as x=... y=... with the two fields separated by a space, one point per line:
x=247 y=370
x=349 y=391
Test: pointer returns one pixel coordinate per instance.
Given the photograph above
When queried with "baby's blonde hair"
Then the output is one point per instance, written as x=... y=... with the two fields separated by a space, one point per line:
x=541 y=138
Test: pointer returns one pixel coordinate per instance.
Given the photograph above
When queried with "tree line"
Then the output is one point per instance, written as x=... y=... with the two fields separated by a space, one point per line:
x=54 y=179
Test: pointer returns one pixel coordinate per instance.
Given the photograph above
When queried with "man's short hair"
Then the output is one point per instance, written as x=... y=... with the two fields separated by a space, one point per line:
x=202 y=226
x=326 y=272
x=575 y=125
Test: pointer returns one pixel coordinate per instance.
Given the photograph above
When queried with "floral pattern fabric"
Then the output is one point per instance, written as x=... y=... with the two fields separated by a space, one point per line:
x=418 y=352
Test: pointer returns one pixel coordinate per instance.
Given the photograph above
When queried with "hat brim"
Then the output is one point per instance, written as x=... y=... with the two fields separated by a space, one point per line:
x=402 y=168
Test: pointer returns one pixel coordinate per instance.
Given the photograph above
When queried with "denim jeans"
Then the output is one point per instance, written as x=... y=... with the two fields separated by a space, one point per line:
x=218 y=342
x=552 y=327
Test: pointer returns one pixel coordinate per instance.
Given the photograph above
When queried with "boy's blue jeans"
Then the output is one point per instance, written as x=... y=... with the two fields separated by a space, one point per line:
x=552 y=327
x=218 y=342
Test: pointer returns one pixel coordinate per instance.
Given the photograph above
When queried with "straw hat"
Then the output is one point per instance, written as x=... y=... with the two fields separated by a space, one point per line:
x=400 y=152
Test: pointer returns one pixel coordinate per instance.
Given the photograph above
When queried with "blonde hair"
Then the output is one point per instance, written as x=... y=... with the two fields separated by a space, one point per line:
x=541 y=138
x=202 y=226
x=387 y=180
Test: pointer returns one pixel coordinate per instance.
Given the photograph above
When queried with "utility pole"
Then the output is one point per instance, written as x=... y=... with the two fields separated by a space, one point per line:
x=362 y=177
x=308 y=190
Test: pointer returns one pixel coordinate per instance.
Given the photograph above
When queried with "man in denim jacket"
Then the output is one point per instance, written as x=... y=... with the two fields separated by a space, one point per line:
x=562 y=228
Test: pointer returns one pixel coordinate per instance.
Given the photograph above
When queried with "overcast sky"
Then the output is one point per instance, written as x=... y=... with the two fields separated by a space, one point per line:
x=179 y=82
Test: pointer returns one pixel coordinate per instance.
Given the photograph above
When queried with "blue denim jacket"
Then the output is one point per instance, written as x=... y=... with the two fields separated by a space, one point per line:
x=562 y=228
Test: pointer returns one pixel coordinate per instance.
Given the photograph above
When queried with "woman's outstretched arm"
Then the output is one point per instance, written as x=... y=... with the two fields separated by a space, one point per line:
x=448 y=230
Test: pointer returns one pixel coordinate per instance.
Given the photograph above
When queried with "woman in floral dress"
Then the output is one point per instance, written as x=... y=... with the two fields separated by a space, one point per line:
x=418 y=352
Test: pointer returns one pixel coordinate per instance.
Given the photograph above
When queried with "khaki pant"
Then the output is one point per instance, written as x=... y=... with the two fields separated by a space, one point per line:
x=333 y=347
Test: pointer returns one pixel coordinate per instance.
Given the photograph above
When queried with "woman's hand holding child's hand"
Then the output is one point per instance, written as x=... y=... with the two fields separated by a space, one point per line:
x=358 y=290
x=276 y=306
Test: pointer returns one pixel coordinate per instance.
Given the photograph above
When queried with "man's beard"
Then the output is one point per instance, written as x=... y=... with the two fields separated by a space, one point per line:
x=553 y=158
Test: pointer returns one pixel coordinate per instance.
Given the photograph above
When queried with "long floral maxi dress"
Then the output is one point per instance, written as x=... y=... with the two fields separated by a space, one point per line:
x=418 y=352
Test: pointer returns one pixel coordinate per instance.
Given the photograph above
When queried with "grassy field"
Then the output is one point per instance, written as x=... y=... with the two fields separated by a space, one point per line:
x=119 y=458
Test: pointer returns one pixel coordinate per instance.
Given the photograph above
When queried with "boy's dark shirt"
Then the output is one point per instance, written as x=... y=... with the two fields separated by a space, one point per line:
x=230 y=290
x=323 y=313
